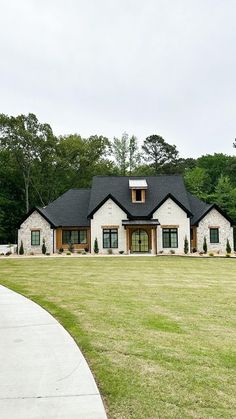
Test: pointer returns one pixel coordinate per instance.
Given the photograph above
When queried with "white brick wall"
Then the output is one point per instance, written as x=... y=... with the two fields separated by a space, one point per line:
x=214 y=218
x=35 y=222
x=171 y=214
x=108 y=214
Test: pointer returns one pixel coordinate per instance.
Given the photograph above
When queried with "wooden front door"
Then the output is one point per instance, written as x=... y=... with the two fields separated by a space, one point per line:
x=140 y=240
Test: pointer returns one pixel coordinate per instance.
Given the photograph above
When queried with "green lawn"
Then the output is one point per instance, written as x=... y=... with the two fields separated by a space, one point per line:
x=158 y=332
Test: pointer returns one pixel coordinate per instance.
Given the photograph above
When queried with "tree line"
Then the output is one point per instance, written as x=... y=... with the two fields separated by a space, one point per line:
x=36 y=167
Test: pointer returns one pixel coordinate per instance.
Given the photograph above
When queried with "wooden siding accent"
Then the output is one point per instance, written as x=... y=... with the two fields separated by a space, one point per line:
x=110 y=226
x=58 y=238
x=154 y=240
x=59 y=243
x=143 y=192
x=169 y=226
x=193 y=244
x=133 y=194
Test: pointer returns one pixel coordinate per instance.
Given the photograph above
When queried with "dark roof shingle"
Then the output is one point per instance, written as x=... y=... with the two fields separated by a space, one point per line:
x=76 y=206
x=159 y=187
x=70 y=209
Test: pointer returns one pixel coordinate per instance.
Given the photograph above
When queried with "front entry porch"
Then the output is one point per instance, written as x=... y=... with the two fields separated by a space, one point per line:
x=141 y=236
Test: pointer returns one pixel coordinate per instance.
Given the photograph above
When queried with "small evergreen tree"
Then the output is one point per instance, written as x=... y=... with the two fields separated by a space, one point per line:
x=205 y=245
x=21 y=251
x=186 y=247
x=44 y=249
x=228 y=247
x=96 y=249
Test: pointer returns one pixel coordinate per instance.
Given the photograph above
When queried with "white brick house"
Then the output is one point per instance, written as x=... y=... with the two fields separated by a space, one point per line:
x=127 y=214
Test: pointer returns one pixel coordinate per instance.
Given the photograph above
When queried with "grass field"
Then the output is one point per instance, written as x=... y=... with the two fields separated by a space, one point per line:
x=158 y=333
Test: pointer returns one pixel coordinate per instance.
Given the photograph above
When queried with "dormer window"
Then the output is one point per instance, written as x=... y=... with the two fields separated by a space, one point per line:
x=138 y=190
x=138 y=197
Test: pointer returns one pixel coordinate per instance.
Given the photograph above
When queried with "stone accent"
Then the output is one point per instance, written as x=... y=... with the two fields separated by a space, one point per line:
x=35 y=222
x=213 y=219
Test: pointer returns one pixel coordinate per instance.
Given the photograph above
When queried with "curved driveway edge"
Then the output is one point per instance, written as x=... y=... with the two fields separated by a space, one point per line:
x=43 y=373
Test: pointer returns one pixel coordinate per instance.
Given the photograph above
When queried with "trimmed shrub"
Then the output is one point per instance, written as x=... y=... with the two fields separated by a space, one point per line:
x=228 y=255
x=186 y=247
x=95 y=248
x=44 y=249
x=109 y=251
x=71 y=247
x=68 y=253
x=211 y=254
x=205 y=245
x=228 y=247
x=61 y=250
x=121 y=252
x=21 y=250
x=172 y=251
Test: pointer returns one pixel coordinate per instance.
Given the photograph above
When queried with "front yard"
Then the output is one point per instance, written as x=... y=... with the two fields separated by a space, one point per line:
x=158 y=332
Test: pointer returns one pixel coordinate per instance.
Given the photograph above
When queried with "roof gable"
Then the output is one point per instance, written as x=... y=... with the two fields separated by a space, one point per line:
x=109 y=196
x=188 y=212
x=215 y=206
x=40 y=212
x=158 y=189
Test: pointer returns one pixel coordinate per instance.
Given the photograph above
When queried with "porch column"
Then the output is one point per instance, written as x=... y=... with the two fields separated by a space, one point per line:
x=154 y=241
x=127 y=241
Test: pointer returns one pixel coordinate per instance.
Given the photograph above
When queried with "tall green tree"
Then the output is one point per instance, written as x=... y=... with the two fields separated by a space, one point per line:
x=217 y=165
x=29 y=142
x=225 y=196
x=79 y=159
x=198 y=182
x=126 y=154
x=11 y=197
x=158 y=153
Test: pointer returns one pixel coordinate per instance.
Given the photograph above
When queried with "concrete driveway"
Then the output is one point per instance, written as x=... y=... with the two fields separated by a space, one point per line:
x=43 y=373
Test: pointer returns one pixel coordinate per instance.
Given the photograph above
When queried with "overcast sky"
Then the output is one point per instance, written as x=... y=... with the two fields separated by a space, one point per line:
x=164 y=67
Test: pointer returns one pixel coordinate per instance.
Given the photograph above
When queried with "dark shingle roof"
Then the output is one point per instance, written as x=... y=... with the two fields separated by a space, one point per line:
x=70 y=209
x=198 y=208
x=159 y=187
x=76 y=206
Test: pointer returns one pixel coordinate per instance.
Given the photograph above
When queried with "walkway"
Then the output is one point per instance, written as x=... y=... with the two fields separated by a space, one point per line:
x=43 y=373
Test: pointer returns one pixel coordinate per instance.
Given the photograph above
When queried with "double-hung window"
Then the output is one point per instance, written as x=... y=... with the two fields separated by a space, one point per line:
x=214 y=235
x=35 y=238
x=110 y=238
x=170 y=237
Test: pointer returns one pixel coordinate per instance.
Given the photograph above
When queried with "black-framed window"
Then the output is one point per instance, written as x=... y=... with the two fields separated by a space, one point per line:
x=74 y=236
x=170 y=237
x=110 y=238
x=214 y=235
x=35 y=238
